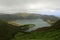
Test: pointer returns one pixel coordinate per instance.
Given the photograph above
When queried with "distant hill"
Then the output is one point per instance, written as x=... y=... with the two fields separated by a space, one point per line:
x=50 y=18
x=20 y=16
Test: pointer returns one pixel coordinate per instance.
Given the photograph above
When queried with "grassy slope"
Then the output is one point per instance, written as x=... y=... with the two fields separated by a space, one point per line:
x=8 y=31
x=53 y=34
x=50 y=34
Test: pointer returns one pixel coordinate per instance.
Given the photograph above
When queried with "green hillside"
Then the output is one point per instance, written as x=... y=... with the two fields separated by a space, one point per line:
x=8 y=31
x=51 y=34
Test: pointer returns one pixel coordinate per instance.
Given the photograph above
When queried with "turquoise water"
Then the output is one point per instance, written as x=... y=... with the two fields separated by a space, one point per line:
x=38 y=22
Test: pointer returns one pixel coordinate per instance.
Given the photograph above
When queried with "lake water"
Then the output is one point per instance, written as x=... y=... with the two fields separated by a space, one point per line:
x=38 y=22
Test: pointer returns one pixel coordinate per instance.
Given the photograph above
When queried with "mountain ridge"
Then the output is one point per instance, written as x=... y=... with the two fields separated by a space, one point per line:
x=21 y=16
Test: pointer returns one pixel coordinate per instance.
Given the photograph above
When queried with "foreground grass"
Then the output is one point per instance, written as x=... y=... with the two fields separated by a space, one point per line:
x=52 y=34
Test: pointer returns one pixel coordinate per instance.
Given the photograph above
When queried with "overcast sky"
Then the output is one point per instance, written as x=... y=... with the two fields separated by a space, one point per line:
x=35 y=6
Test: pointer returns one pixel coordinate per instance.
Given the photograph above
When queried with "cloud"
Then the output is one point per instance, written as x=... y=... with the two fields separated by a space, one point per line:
x=29 y=5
